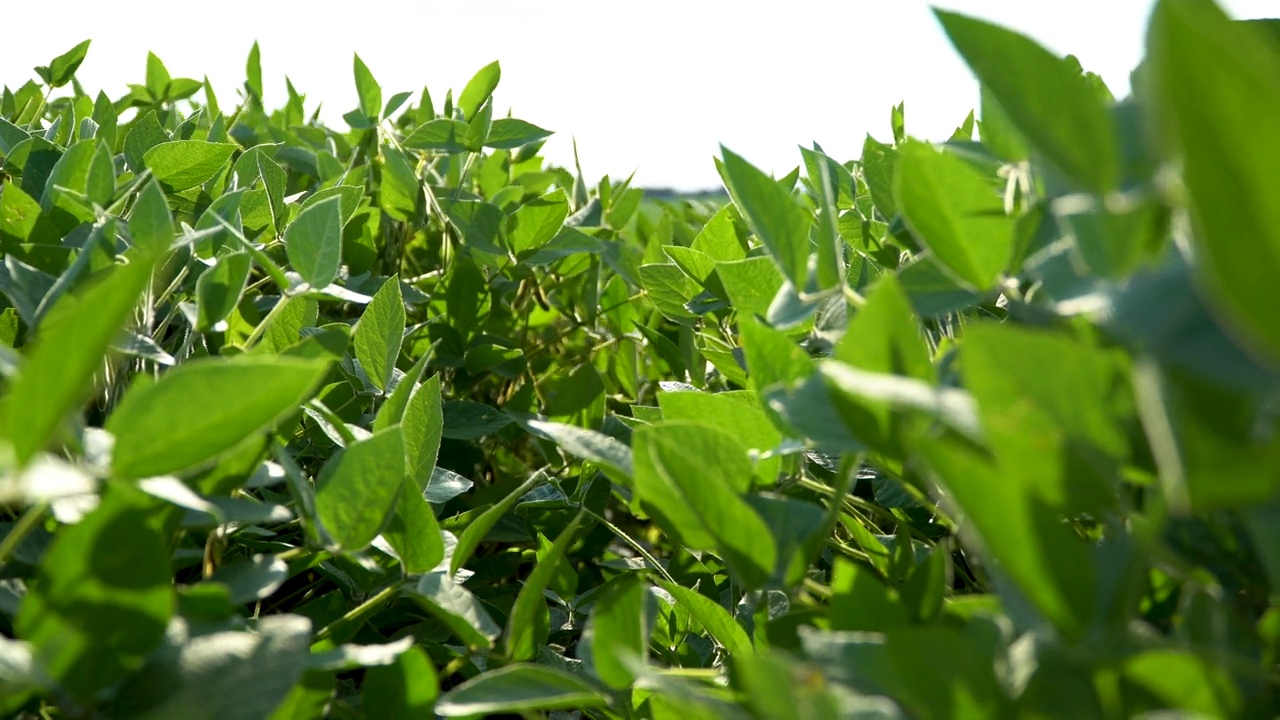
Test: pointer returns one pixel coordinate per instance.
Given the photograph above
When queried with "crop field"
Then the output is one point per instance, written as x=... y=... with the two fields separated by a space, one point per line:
x=398 y=420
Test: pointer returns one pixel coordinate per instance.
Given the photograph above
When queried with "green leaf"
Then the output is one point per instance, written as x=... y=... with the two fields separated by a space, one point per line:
x=586 y=444
x=480 y=527
x=618 y=631
x=253 y=74
x=414 y=533
x=1046 y=98
x=151 y=223
x=63 y=68
x=158 y=79
x=692 y=477
x=713 y=618
x=537 y=221
x=313 y=242
x=203 y=408
x=222 y=674
x=519 y=688
x=145 y=134
x=520 y=643
x=369 y=91
x=102 y=597
x=71 y=345
x=478 y=89
x=379 y=333
x=781 y=224
x=442 y=134
x=954 y=211
x=184 y=164
x=423 y=424
x=510 y=133
x=356 y=491
x=219 y=289
x=457 y=608
x=751 y=284
x=403 y=690
x=1217 y=100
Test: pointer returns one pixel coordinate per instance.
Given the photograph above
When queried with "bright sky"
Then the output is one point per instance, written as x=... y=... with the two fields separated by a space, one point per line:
x=652 y=86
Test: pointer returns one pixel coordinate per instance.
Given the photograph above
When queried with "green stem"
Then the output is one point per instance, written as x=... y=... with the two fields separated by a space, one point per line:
x=356 y=613
x=29 y=521
x=624 y=537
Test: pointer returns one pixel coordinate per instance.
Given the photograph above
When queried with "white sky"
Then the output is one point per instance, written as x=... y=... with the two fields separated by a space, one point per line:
x=652 y=86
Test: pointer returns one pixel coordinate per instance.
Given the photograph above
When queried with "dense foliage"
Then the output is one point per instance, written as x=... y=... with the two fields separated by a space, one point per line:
x=398 y=421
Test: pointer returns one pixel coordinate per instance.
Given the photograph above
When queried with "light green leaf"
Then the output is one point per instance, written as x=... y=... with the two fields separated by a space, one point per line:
x=357 y=488
x=510 y=133
x=713 y=618
x=219 y=288
x=1046 y=98
x=184 y=164
x=60 y=71
x=457 y=608
x=380 y=332
x=369 y=91
x=478 y=89
x=442 y=134
x=691 y=476
x=313 y=242
x=774 y=216
x=955 y=212
x=537 y=221
x=520 y=642
x=203 y=408
x=617 y=633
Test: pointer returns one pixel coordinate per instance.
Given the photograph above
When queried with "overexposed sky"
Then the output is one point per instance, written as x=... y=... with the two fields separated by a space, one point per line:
x=648 y=86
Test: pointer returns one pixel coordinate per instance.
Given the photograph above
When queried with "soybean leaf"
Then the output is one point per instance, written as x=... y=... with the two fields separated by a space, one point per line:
x=151 y=224
x=368 y=90
x=224 y=674
x=404 y=690
x=618 y=631
x=537 y=221
x=519 y=636
x=102 y=597
x=480 y=527
x=519 y=688
x=203 y=408
x=773 y=215
x=70 y=347
x=219 y=288
x=1217 y=99
x=714 y=618
x=60 y=71
x=510 y=133
x=313 y=242
x=423 y=424
x=443 y=134
x=954 y=212
x=692 y=475
x=1047 y=99
x=183 y=164
x=479 y=88
x=457 y=608
x=357 y=488
x=379 y=333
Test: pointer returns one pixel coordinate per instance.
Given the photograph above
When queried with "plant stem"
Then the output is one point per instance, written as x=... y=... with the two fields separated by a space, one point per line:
x=29 y=521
